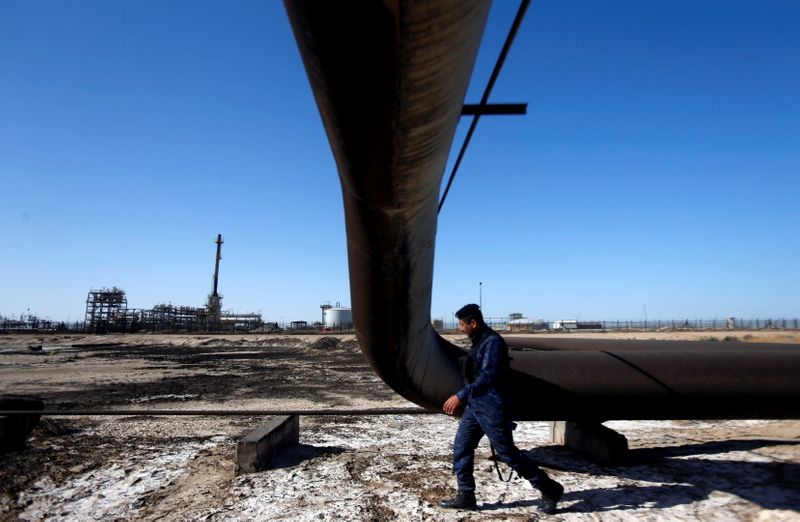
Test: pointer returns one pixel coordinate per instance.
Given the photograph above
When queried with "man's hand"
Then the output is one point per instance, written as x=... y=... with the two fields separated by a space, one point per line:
x=451 y=404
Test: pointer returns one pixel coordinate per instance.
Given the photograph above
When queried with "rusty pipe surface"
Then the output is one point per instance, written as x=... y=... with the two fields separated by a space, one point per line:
x=389 y=79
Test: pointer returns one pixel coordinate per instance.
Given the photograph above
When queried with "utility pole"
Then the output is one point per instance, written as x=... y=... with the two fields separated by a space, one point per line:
x=480 y=295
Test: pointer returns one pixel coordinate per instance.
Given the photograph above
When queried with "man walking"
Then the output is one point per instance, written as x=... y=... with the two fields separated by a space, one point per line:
x=487 y=396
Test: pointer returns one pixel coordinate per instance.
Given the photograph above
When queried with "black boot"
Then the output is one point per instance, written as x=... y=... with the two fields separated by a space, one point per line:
x=551 y=494
x=464 y=500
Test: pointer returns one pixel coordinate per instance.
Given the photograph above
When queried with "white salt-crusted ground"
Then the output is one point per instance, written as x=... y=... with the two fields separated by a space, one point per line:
x=397 y=467
x=346 y=468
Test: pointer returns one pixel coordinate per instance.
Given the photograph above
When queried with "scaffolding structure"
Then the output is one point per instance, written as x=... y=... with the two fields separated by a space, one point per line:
x=104 y=307
x=167 y=317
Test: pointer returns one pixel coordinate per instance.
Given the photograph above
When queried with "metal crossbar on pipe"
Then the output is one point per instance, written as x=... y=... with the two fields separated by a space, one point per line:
x=523 y=7
x=221 y=413
x=494 y=109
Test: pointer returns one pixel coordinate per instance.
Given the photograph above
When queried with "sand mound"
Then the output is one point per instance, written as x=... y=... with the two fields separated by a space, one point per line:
x=325 y=343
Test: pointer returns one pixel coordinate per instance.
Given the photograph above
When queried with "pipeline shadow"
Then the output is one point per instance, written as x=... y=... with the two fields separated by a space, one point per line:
x=687 y=473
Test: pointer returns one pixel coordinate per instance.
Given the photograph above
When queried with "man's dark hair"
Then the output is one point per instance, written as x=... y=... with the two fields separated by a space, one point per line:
x=469 y=312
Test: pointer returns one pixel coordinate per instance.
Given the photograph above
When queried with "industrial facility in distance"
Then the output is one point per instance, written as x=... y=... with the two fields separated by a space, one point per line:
x=336 y=317
x=107 y=311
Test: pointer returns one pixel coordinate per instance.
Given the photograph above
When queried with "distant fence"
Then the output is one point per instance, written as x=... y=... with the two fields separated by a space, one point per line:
x=41 y=326
x=502 y=324
x=499 y=324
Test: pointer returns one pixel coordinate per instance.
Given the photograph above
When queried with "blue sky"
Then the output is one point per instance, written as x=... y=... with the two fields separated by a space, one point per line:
x=657 y=165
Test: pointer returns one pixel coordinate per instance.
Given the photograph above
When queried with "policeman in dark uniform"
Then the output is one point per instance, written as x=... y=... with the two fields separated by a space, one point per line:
x=487 y=397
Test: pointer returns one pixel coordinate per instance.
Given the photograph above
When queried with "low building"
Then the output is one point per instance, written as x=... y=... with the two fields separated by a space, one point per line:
x=523 y=324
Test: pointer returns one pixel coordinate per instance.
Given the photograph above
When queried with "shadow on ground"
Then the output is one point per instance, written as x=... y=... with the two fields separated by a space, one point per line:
x=686 y=473
x=296 y=455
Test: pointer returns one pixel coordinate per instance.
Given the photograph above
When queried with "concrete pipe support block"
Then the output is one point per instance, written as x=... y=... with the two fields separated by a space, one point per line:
x=600 y=443
x=15 y=429
x=257 y=449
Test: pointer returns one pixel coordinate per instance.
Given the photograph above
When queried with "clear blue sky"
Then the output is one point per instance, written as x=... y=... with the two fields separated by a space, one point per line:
x=658 y=163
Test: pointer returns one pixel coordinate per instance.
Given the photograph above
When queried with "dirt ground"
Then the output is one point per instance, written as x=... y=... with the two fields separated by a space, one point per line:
x=346 y=467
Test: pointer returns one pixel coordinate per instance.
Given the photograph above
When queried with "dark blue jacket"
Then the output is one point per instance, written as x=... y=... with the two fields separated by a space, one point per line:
x=488 y=374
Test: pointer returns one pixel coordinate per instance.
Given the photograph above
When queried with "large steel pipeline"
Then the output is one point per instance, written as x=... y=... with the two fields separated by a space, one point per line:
x=389 y=78
x=570 y=343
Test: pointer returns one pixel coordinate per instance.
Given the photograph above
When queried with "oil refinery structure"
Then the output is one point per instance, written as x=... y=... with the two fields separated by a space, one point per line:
x=107 y=311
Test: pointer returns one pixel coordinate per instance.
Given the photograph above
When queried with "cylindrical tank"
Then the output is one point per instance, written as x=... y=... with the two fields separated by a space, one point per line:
x=338 y=318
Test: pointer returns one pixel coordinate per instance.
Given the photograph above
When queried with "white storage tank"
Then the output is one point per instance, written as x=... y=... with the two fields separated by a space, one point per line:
x=338 y=318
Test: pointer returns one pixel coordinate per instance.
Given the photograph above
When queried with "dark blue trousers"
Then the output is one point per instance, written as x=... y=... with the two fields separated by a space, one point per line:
x=473 y=426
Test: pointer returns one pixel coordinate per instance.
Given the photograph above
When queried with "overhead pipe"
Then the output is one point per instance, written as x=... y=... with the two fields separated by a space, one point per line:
x=389 y=78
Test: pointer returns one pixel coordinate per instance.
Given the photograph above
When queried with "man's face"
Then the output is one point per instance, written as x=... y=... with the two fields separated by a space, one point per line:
x=467 y=326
